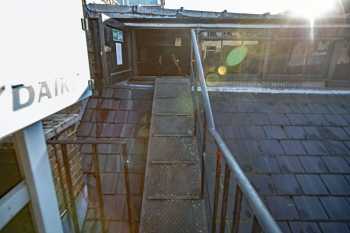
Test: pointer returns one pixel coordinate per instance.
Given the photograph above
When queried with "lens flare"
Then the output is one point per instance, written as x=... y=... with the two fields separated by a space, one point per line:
x=222 y=70
x=236 y=56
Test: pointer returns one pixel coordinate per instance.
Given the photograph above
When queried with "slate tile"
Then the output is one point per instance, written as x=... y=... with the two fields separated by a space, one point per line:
x=107 y=131
x=304 y=227
x=108 y=104
x=239 y=119
x=336 y=184
x=84 y=129
x=313 y=164
x=347 y=130
x=336 y=147
x=319 y=108
x=346 y=118
x=312 y=133
x=275 y=132
x=332 y=133
x=312 y=184
x=255 y=132
x=338 y=108
x=121 y=117
x=293 y=147
x=92 y=103
x=278 y=119
x=300 y=107
x=128 y=131
x=336 y=227
x=317 y=119
x=337 y=133
x=336 y=207
x=228 y=132
x=297 y=119
x=315 y=147
x=107 y=92
x=295 y=132
x=258 y=119
x=265 y=164
x=335 y=120
x=286 y=184
x=310 y=208
x=263 y=184
x=223 y=119
x=290 y=164
x=282 y=208
x=105 y=116
x=87 y=115
x=284 y=227
x=271 y=147
x=336 y=164
x=126 y=104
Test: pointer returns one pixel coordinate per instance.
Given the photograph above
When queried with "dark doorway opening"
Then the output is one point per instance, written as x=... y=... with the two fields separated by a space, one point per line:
x=163 y=52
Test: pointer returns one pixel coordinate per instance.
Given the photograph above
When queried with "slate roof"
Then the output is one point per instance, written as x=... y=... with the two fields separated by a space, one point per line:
x=295 y=149
x=120 y=112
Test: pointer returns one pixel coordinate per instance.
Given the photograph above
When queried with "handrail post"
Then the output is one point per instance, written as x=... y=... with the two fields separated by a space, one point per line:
x=204 y=89
x=262 y=214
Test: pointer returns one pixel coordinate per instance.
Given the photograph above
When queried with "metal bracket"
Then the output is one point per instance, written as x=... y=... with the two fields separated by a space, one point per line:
x=91 y=83
x=84 y=24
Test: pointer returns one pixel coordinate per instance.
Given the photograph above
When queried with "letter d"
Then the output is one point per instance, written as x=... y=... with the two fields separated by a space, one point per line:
x=16 y=99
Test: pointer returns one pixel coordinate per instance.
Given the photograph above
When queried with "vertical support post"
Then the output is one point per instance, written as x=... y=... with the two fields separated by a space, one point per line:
x=60 y=170
x=203 y=137
x=237 y=210
x=127 y=188
x=134 y=52
x=334 y=58
x=103 y=56
x=71 y=204
x=217 y=189
x=265 y=64
x=225 y=198
x=256 y=226
x=34 y=162
x=101 y=208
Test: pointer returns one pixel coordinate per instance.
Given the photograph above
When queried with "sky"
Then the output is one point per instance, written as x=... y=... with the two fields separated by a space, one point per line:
x=301 y=7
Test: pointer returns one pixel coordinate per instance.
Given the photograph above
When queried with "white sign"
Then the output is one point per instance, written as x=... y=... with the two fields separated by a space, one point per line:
x=44 y=63
x=119 y=53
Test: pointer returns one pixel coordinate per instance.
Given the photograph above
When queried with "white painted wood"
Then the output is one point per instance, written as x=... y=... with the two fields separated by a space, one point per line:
x=34 y=162
x=12 y=203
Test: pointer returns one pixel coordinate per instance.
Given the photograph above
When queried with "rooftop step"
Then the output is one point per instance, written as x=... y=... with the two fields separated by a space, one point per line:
x=172 y=195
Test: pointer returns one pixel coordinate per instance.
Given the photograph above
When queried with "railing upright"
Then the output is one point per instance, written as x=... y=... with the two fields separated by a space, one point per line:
x=263 y=221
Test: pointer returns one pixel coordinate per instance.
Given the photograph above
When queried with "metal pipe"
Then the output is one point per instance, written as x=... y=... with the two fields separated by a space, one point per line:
x=205 y=95
x=225 y=198
x=233 y=26
x=259 y=209
x=72 y=207
x=100 y=200
x=216 y=190
x=264 y=217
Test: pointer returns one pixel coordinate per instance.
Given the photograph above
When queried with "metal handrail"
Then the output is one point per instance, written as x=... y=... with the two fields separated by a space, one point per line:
x=263 y=216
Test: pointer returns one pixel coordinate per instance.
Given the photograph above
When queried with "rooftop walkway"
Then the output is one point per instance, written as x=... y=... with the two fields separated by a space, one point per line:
x=172 y=197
